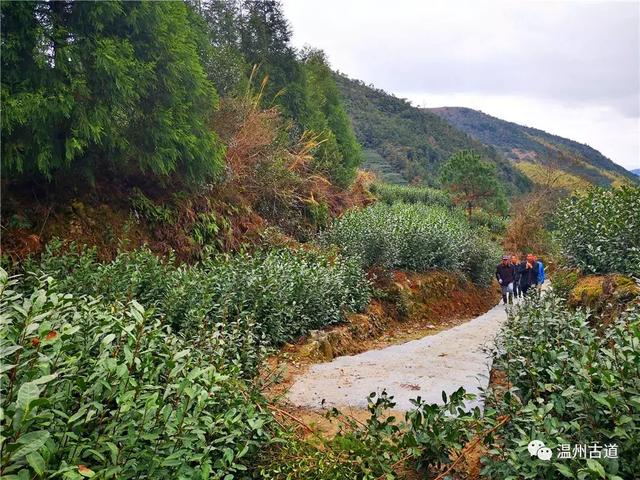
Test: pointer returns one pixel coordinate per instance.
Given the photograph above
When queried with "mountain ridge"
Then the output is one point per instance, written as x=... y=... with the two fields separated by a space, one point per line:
x=403 y=143
x=520 y=143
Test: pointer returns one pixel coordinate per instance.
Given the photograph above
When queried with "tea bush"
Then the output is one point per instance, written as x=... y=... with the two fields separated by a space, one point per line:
x=414 y=237
x=374 y=449
x=392 y=193
x=281 y=292
x=90 y=388
x=493 y=222
x=599 y=231
x=571 y=384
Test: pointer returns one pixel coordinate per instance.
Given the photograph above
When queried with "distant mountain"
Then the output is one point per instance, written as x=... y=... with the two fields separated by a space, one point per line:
x=534 y=149
x=403 y=143
x=636 y=171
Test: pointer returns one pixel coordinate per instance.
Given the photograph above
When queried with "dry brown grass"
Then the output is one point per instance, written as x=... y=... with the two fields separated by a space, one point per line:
x=272 y=168
x=526 y=229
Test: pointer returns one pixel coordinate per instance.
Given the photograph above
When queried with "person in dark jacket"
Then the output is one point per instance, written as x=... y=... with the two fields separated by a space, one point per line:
x=517 y=274
x=529 y=278
x=505 y=274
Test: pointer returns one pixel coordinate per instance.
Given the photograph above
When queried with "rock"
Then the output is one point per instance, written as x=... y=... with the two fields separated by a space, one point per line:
x=597 y=292
x=318 y=347
x=326 y=350
x=310 y=350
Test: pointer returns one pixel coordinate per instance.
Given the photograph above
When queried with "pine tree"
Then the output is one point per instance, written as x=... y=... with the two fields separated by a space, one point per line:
x=473 y=182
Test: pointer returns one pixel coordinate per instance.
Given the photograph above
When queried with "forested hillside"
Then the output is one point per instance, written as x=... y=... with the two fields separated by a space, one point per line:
x=537 y=147
x=198 y=118
x=403 y=143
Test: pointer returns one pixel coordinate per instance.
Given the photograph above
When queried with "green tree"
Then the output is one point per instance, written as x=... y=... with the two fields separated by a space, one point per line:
x=339 y=154
x=250 y=33
x=224 y=63
x=265 y=40
x=473 y=182
x=114 y=83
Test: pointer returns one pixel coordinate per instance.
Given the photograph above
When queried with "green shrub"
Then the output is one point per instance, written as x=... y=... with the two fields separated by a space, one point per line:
x=564 y=280
x=481 y=256
x=495 y=223
x=210 y=229
x=375 y=449
x=414 y=237
x=155 y=213
x=94 y=388
x=599 y=231
x=287 y=293
x=391 y=193
x=283 y=293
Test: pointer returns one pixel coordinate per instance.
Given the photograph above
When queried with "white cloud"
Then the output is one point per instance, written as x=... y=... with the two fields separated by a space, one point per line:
x=570 y=68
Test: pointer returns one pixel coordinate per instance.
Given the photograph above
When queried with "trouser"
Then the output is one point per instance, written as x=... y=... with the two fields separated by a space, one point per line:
x=507 y=292
x=516 y=289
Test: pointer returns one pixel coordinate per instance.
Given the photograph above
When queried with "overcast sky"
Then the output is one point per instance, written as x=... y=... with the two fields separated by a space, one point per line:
x=571 y=68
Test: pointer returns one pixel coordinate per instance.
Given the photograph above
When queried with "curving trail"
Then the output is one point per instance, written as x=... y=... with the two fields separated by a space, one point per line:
x=424 y=367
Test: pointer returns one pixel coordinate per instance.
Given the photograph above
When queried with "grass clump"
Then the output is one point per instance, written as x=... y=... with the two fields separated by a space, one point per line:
x=414 y=237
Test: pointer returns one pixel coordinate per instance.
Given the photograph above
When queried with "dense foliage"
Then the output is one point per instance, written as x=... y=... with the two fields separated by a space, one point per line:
x=391 y=193
x=409 y=141
x=472 y=183
x=247 y=33
x=96 y=387
x=571 y=384
x=414 y=237
x=91 y=85
x=599 y=231
x=104 y=389
x=494 y=222
x=278 y=294
x=132 y=86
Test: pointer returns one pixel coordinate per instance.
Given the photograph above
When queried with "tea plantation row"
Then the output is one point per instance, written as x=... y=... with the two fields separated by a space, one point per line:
x=415 y=237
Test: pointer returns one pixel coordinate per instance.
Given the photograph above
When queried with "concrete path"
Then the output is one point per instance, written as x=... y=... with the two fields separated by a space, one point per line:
x=424 y=367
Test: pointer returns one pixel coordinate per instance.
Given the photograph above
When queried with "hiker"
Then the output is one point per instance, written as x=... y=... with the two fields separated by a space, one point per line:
x=516 y=277
x=530 y=270
x=505 y=274
x=540 y=272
